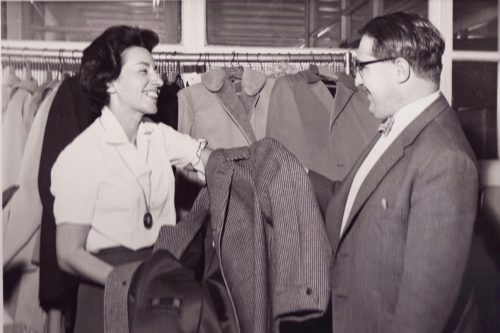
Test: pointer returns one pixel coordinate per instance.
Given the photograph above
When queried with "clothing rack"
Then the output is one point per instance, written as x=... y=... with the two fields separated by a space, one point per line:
x=64 y=61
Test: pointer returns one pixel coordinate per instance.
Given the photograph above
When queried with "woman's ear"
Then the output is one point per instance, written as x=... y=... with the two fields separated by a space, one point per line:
x=403 y=70
x=111 y=87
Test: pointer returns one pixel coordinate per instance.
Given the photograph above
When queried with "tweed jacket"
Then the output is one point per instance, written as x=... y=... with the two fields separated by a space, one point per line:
x=268 y=234
x=399 y=264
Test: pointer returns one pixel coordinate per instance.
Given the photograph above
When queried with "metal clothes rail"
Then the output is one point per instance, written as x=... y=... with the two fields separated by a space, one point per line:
x=68 y=60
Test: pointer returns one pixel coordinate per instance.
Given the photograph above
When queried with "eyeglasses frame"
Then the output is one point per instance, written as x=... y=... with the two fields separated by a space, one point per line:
x=360 y=65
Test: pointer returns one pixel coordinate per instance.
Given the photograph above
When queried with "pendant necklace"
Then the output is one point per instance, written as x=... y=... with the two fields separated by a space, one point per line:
x=147 y=219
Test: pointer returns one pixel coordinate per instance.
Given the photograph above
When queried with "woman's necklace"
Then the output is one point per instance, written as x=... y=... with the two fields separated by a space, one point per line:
x=147 y=218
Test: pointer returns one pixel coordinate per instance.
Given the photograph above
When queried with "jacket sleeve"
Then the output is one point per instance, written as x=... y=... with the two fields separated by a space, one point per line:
x=440 y=226
x=116 y=297
x=300 y=253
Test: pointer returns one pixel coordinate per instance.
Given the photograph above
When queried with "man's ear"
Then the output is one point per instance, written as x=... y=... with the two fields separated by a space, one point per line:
x=403 y=70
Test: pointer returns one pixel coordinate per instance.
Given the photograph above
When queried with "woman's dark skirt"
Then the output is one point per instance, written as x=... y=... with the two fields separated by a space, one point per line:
x=90 y=308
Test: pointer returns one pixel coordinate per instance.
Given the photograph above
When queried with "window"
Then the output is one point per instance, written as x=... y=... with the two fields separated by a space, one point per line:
x=474 y=98
x=84 y=20
x=475 y=25
x=286 y=23
x=475 y=74
x=295 y=23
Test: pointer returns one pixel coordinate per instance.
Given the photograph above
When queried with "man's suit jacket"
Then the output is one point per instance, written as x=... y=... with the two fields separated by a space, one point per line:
x=268 y=234
x=399 y=264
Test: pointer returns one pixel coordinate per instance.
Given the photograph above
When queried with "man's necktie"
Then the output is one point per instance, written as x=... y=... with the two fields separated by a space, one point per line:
x=386 y=125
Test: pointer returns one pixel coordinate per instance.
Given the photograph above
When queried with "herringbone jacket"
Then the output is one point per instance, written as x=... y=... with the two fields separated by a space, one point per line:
x=268 y=234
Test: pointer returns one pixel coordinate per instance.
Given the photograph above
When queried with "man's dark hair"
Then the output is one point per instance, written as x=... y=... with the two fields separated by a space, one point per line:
x=408 y=36
x=102 y=62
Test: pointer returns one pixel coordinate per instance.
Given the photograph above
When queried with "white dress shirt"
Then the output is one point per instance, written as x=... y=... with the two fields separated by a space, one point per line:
x=103 y=180
x=402 y=119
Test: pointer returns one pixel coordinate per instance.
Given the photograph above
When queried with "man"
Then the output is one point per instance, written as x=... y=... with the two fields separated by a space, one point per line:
x=401 y=221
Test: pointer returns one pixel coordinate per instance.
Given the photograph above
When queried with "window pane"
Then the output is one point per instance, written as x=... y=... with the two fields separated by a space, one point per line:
x=256 y=23
x=475 y=25
x=292 y=23
x=359 y=18
x=419 y=7
x=475 y=89
x=84 y=20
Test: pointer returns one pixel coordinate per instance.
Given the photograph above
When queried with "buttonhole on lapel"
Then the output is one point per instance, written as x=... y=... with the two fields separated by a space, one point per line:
x=384 y=204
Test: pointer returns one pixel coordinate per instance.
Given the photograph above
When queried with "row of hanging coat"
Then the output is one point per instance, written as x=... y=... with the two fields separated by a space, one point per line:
x=307 y=102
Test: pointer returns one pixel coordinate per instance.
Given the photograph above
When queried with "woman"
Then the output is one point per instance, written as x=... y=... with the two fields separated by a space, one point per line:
x=113 y=185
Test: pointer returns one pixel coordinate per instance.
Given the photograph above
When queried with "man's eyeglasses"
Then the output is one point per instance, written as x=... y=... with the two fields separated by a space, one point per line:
x=360 y=65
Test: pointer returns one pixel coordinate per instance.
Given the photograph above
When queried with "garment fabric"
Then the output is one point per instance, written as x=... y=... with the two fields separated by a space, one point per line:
x=69 y=115
x=115 y=183
x=8 y=81
x=189 y=285
x=25 y=210
x=90 y=307
x=351 y=126
x=168 y=108
x=268 y=234
x=397 y=124
x=15 y=127
x=22 y=229
x=299 y=113
x=399 y=265
x=215 y=111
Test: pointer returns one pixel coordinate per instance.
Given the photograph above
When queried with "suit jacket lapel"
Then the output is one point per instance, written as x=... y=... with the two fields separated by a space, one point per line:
x=392 y=155
x=235 y=109
x=376 y=174
x=336 y=206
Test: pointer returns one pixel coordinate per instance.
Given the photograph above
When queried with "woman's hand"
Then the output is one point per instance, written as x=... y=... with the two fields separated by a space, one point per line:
x=205 y=154
x=72 y=256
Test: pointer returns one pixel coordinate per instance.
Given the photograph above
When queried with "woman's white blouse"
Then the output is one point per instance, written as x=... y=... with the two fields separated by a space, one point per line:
x=102 y=180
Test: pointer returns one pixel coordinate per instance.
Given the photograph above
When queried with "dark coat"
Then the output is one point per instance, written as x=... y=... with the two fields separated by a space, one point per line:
x=69 y=115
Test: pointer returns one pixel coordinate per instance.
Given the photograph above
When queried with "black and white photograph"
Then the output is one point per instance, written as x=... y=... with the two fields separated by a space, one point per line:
x=250 y=166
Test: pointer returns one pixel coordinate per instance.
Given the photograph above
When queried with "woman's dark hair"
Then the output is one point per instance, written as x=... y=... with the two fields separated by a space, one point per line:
x=102 y=62
x=408 y=36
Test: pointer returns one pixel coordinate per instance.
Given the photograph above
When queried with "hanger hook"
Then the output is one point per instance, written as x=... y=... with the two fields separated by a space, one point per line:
x=207 y=60
x=234 y=55
x=198 y=61
x=260 y=62
x=248 y=61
